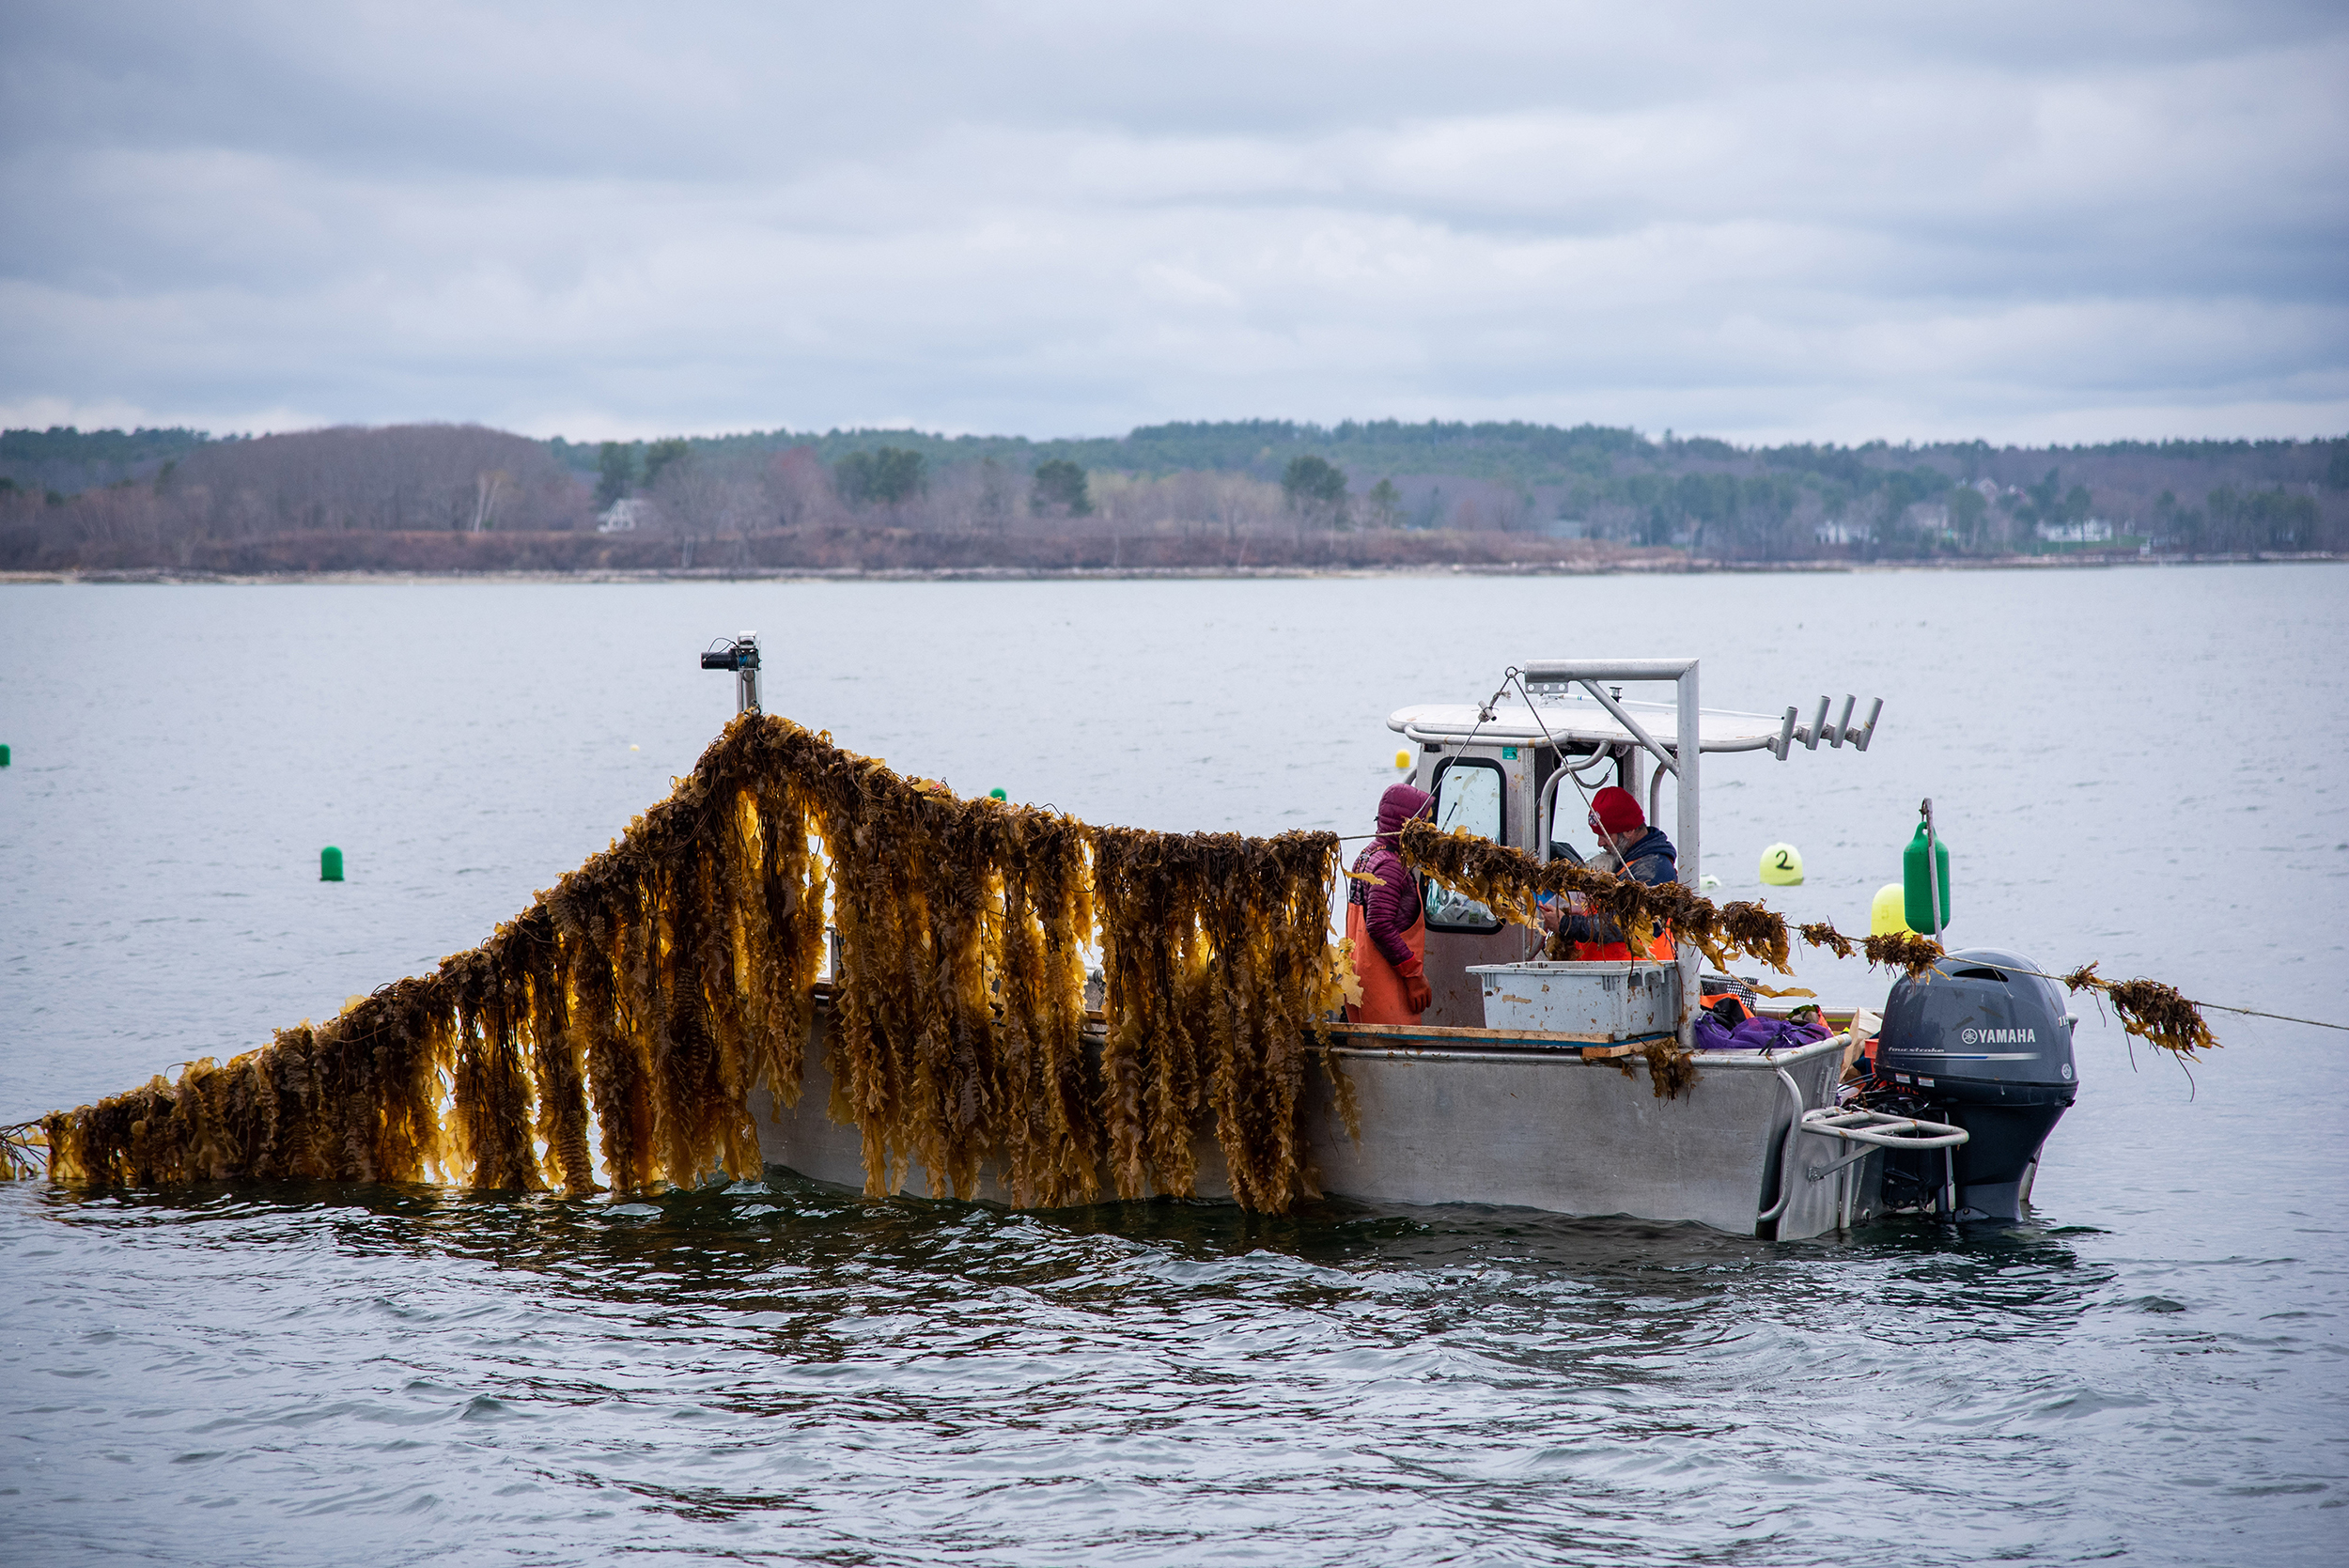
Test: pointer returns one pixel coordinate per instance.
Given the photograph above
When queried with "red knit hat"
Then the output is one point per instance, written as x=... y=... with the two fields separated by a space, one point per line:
x=1616 y=811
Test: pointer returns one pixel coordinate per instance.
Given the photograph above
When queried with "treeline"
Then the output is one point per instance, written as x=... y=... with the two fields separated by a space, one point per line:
x=438 y=497
x=194 y=501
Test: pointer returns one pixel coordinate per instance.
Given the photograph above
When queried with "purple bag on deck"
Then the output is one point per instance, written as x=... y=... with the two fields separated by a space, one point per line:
x=1756 y=1034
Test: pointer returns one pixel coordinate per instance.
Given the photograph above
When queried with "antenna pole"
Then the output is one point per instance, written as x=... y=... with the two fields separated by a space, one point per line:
x=1933 y=873
x=746 y=673
x=741 y=657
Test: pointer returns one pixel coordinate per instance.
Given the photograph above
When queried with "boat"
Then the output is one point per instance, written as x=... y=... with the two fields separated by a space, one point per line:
x=1487 y=1100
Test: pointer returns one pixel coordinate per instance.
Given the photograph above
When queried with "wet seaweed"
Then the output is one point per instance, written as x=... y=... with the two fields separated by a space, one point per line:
x=24 y=1152
x=1904 y=951
x=1508 y=881
x=2149 y=1010
x=1670 y=1068
x=633 y=1012
x=1822 y=933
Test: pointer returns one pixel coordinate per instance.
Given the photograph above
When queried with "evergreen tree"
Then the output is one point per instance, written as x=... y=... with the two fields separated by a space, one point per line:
x=1060 y=488
x=616 y=469
x=1315 y=488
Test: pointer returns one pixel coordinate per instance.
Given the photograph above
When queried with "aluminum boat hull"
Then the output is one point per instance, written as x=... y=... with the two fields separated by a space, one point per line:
x=1532 y=1128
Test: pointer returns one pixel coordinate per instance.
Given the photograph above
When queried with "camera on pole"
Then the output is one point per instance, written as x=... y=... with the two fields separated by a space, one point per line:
x=741 y=657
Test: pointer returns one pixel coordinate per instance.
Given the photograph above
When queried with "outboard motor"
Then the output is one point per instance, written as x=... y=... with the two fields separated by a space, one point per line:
x=1982 y=1043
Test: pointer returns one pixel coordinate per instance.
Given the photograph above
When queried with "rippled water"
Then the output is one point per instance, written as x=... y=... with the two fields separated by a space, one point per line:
x=2138 y=766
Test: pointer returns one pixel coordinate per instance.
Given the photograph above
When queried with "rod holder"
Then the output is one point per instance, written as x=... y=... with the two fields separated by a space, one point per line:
x=1867 y=731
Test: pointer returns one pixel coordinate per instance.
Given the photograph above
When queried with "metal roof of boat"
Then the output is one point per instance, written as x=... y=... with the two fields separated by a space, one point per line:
x=1578 y=720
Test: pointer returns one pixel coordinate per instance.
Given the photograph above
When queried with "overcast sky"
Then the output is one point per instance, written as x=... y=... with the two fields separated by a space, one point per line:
x=2043 y=222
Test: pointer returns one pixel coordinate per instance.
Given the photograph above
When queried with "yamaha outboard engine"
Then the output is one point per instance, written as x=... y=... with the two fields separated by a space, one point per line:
x=1982 y=1043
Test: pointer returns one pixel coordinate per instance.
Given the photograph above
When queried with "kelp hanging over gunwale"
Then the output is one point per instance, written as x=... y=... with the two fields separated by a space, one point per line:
x=1507 y=881
x=641 y=1000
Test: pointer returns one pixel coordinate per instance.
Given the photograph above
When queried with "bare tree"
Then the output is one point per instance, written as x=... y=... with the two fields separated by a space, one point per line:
x=489 y=489
x=798 y=488
x=403 y=478
x=701 y=501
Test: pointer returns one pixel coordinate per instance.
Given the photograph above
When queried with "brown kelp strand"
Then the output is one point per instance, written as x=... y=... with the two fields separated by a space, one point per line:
x=1904 y=951
x=1757 y=931
x=1822 y=933
x=1670 y=1068
x=20 y=1151
x=1217 y=972
x=1508 y=881
x=2149 y=1010
x=634 y=1013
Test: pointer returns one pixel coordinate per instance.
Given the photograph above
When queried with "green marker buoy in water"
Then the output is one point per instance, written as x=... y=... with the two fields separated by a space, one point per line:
x=3 y=756
x=330 y=864
x=998 y=795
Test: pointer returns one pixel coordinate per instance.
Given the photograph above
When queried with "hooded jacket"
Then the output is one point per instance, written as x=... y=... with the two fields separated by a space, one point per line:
x=1649 y=859
x=1390 y=904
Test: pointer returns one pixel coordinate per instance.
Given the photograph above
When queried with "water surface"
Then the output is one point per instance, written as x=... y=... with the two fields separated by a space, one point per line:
x=2135 y=766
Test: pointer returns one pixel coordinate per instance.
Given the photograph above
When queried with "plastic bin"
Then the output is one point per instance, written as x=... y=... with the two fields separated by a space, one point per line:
x=1612 y=999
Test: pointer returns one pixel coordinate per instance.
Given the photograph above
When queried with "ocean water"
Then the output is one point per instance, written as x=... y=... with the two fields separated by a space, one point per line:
x=2138 y=767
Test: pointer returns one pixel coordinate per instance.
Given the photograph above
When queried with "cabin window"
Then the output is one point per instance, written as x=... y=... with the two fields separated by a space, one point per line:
x=1468 y=794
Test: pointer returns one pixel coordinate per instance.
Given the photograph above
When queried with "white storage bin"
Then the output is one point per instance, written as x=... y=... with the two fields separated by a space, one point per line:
x=1611 y=1000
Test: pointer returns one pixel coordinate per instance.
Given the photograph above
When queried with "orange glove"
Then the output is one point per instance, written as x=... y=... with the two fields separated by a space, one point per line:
x=1416 y=996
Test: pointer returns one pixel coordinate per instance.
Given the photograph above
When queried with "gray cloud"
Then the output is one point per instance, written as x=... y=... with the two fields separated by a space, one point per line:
x=2026 y=222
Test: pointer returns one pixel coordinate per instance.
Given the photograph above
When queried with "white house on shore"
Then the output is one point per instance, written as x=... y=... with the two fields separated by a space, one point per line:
x=622 y=517
x=2095 y=531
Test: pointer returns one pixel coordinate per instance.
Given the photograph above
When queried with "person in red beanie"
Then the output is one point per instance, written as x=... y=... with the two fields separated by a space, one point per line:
x=1384 y=918
x=1630 y=848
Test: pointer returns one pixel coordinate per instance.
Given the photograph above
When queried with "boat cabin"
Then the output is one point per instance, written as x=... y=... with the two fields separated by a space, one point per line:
x=1520 y=768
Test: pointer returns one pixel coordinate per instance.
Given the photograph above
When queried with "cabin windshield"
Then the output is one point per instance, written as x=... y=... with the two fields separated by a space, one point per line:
x=1468 y=795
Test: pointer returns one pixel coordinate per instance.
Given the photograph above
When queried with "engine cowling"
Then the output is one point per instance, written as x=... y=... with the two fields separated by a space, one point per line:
x=1984 y=1042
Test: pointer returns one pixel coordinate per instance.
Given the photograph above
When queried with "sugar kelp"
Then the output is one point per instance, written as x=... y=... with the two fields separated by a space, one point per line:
x=2149 y=1010
x=1508 y=881
x=1217 y=972
x=635 y=1009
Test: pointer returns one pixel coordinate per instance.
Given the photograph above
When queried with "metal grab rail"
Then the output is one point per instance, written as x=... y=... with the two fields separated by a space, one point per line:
x=1877 y=1130
x=1785 y=1175
x=1546 y=807
x=1870 y=1129
x=1880 y=1129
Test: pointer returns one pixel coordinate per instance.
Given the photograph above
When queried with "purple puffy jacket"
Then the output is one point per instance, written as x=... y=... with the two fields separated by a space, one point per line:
x=1390 y=904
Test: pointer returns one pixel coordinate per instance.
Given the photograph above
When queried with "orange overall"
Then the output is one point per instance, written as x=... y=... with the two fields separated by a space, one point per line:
x=1383 y=997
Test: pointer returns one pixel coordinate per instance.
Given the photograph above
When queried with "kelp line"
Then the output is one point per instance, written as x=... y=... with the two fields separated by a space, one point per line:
x=1507 y=881
x=634 y=1008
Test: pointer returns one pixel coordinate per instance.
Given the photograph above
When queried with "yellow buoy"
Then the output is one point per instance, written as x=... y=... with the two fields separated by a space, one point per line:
x=1781 y=867
x=1403 y=759
x=1888 y=913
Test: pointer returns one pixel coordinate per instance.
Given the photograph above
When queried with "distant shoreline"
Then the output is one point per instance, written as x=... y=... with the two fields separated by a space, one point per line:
x=158 y=577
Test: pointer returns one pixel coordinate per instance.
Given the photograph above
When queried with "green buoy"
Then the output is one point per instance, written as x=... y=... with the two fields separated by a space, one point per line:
x=993 y=794
x=3 y=756
x=330 y=864
x=1921 y=880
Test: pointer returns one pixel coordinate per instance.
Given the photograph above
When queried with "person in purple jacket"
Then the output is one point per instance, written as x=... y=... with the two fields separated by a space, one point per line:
x=1385 y=921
